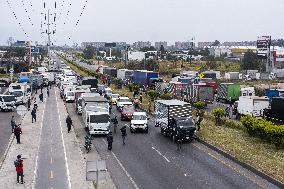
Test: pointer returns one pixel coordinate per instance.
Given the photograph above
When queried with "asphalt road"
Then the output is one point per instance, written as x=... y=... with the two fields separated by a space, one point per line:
x=5 y=127
x=51 y=171
x=152 y=161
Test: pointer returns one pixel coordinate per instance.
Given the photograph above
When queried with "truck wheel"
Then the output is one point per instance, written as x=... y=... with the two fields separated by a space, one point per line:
x=131 y=130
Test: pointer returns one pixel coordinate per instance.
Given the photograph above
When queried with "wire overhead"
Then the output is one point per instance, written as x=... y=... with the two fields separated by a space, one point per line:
x=16 y=18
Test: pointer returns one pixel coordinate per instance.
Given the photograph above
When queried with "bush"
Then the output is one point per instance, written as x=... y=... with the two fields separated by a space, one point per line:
x=264 y=129
x=199 y=105
x=166 y=96
x=152 y=93
x=218 y=114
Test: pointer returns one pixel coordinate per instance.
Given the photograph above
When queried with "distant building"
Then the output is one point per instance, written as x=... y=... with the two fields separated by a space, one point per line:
x=141 y=44
x=98 y=45
x=160 y=43
x=136 y=55
x=183 y=45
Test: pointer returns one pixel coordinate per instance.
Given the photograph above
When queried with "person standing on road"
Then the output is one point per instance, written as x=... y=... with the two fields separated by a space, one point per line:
x=41 y=97
x=47 y=91
x=109 y=140
x=35 y=103
x=41 y=87
x=13 y=123
x=123 y=133
x=115 y=122
x=17 y=133
x=19 y=169
x=29 y=103
x=69 y=123
x=33 y=113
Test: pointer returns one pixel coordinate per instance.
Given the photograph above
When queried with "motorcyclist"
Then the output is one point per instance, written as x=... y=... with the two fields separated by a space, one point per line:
x=109 y=140
x=123 y=133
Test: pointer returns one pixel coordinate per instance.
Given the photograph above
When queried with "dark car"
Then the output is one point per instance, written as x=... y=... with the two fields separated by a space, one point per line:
x=127 y=112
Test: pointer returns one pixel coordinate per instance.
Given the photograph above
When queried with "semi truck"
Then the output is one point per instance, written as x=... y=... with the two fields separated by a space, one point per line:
x=96 y=115
x=275 y=112
x=252 y=105
x=92 y=81
x=228 y=92
x=200 y=92
x=21 y=91
x=124 y=74
x=270 y=93
x=173 y=116
x=144 y=77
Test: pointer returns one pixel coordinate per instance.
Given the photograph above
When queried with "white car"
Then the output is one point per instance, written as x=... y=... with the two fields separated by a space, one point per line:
x=122 y=101
x=139 y=121
x=108 y=92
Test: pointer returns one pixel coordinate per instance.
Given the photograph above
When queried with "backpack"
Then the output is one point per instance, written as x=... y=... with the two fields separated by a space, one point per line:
x=17 y=163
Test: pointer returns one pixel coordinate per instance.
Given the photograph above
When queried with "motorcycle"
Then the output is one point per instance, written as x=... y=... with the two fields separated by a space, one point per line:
x=88 y=143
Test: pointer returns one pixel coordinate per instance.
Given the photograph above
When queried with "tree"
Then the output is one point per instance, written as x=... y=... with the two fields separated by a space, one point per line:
x=250 y=61
x=89 y=52
x=218 y=114
x=216 y=43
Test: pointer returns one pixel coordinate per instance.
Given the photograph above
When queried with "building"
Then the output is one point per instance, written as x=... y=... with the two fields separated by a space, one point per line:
x=183 y=45
x=98 y=45
x=160 y=43
x=141 y=44
x=136 y=55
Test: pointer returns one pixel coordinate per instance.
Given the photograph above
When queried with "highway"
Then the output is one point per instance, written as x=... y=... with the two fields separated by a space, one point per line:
x=152 y=161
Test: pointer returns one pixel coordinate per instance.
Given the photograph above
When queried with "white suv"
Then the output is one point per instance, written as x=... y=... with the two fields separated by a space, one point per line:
x=139 y=121
x=122 y=101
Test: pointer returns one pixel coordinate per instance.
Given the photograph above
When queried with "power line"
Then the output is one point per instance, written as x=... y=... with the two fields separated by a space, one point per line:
x=24 y=6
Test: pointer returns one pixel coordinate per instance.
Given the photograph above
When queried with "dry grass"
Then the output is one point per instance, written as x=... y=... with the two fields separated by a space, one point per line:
x=238 y=143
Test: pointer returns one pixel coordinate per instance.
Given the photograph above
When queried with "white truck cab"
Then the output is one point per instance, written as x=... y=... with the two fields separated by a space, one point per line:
x=21 y=91
x=139 y=121
x=7 y=102
x=122 y=101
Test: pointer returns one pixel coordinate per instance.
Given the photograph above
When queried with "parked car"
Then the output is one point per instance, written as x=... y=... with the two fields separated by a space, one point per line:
x=114 y=98
x=121 y=102
x=127 y=112
x=139 y=121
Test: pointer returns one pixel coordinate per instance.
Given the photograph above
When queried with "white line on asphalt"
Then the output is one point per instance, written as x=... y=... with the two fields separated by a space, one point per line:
x=64 y=149
x=161 y=154
x=123 y=168
x=36 y=165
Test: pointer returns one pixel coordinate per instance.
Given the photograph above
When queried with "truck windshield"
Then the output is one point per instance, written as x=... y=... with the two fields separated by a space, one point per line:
x=124 y=100
x=8 y=98
x=17 y=93
x=104 y=118
x=70 y=94
x=16 y=87
x=185 y=123
x=115 y=96
x=139 y=117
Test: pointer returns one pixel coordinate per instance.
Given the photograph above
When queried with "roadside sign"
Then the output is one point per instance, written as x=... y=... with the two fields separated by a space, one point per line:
x=201 y=75
x=11 y=70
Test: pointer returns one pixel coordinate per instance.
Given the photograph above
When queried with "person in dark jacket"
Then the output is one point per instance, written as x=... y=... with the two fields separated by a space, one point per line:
x=33 y=113
x=29 y=104
x=123 y=133
x=109 y=140
x=17 y=133
x=13 y=123
x=47 y=92
x=69 y=123
x=41 y=87
x=41 y=97
x=19 y=164
x=140 y=98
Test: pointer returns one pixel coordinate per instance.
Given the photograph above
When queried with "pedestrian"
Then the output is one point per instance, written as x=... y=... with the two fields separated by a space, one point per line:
x=36 y=89
x=41 y=97
x=140 y=98
x=33 y=113
x=41 y=87
x=115 y=122
x=19 y=169
x=29 y=103
x=17 y=133
x=123 y=133
x=69 y=123
x=109 y=140
x=13 y=123
x=35 y=104
x=47 y=92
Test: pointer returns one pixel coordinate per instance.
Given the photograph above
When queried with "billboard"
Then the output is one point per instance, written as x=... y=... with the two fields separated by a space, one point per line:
x=263 y=44
x=110 y=44
x=35 y=50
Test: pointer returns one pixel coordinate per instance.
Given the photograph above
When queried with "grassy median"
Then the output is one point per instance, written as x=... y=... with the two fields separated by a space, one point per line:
x=235 y=140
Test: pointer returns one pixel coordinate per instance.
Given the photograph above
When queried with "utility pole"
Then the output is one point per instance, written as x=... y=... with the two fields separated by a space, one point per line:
x=48 y=35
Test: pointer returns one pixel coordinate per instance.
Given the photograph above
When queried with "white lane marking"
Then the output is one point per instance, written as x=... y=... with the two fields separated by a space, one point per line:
x=64 y=149
x=161 y=154
x=123 y=168
x=36 y=165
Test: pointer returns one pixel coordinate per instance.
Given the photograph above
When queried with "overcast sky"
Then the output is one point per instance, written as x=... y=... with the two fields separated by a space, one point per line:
x=153 y=20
